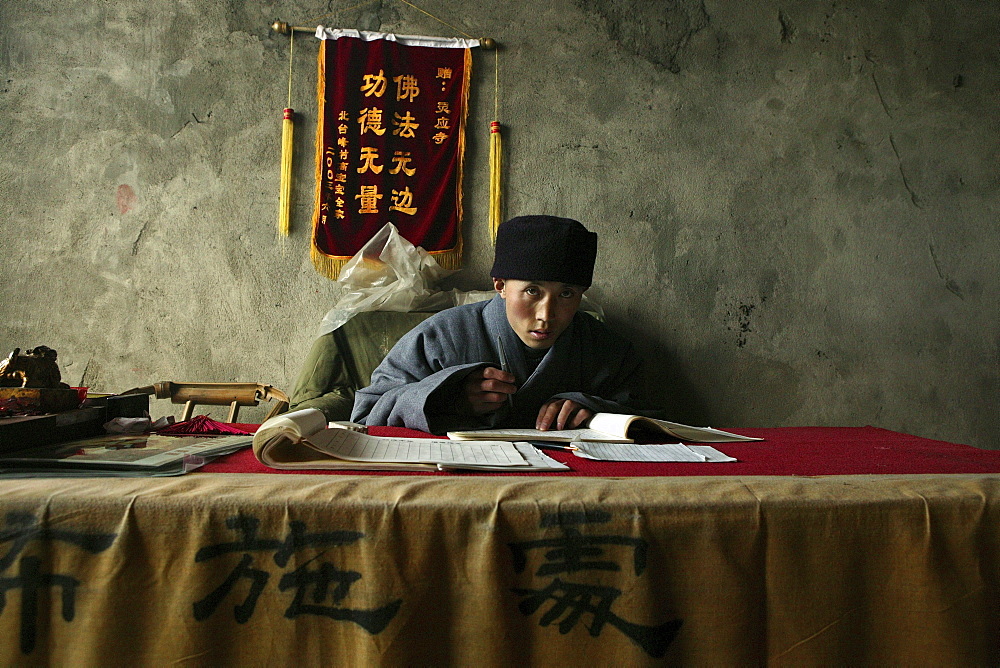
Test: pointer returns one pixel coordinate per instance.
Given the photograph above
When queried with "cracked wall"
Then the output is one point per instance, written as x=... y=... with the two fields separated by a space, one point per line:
x=797 y=202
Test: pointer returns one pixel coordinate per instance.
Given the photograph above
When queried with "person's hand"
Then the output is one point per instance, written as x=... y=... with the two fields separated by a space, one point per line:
x=561 y=414
x=486 y=390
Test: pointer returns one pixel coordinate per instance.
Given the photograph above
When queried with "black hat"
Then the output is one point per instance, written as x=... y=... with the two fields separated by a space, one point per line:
x=545 y=248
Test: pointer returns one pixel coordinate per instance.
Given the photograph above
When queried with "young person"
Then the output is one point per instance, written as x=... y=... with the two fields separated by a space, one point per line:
x=526 y=358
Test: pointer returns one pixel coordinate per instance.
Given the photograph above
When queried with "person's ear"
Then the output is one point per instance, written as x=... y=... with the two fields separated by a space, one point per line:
x=498 y=286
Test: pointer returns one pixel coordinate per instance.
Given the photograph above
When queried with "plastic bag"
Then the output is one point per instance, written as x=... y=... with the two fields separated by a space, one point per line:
x=391 y=274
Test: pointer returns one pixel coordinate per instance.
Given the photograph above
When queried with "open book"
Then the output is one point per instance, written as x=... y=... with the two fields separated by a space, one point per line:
x=609 y=428
x=303 y=440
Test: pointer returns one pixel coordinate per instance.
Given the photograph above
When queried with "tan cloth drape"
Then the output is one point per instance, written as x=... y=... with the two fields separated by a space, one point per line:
x=217 y=569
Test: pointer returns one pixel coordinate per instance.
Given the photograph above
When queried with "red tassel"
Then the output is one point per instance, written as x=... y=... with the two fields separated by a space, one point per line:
x=202 y=424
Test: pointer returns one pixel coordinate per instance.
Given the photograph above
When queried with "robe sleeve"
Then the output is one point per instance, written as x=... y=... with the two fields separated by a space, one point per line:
x=415 y=386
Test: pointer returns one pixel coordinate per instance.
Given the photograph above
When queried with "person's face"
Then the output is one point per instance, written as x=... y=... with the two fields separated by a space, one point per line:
x=539 y=311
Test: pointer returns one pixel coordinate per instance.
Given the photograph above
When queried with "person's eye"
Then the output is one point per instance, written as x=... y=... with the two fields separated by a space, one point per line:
x=567 y=294
x=531 y=290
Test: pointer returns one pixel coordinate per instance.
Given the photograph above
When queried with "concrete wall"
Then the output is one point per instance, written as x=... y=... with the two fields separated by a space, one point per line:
x=797 y=202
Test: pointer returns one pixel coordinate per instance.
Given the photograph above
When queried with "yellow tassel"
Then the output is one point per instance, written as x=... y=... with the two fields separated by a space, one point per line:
x=285 y=194
x=496 y=168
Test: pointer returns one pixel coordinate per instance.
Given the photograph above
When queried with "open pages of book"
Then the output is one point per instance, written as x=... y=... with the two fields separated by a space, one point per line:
x=303 y=440
x=663 y=452
x=633 y=425
x=610 y=428
x=553 y=435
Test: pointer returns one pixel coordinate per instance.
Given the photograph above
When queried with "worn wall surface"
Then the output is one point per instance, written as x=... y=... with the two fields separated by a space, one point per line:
x=797 y=202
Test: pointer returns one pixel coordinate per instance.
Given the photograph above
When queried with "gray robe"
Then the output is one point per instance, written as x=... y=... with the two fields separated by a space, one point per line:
x=417 y=384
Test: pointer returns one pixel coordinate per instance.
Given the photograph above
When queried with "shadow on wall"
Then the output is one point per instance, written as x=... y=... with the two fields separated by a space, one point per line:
x=669 y=388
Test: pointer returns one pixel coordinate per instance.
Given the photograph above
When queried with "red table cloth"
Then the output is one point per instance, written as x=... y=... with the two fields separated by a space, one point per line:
x=786 y=451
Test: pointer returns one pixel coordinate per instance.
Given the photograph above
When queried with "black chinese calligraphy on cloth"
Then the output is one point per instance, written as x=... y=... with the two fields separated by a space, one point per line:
x=318 y=587
x=566 y=597
x=390 y=144
x=23 y=570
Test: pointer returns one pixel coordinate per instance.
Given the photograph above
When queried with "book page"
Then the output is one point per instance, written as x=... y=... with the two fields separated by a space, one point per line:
x=554 y=435
x=711 y=454
x=628 y=452
x=612 y=423
x=536 y=461
x=351 y=445
x=294 y=425
x=539 y=460
x=702 y=434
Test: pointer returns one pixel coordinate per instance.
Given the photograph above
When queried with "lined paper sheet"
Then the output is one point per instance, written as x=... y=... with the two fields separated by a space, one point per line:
x=711 y=454
x=538 y=459
x=354 y=446
x=554 y=435
x=628 y=452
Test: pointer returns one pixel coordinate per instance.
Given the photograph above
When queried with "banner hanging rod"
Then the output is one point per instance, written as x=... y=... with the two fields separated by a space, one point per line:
x=284 y=29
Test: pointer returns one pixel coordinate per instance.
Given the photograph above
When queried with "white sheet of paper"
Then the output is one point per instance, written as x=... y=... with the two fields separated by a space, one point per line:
x=628 y=452
x=353 y=446
x=538 y=459
x=711 y=454
x=565 y=435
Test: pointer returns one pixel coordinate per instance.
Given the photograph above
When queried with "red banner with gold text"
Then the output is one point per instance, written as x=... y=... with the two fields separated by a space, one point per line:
x=390 y=144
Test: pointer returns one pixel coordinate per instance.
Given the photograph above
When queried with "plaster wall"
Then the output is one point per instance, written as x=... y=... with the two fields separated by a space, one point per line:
x=796 y=202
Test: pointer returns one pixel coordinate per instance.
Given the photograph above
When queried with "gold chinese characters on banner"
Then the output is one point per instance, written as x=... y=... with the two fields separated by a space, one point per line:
x=390 y=143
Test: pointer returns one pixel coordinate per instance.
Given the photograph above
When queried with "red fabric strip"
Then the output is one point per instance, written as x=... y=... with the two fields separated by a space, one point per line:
x=787 y=451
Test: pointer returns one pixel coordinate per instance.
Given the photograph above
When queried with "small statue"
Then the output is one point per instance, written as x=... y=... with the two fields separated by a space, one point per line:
x=35 y=368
